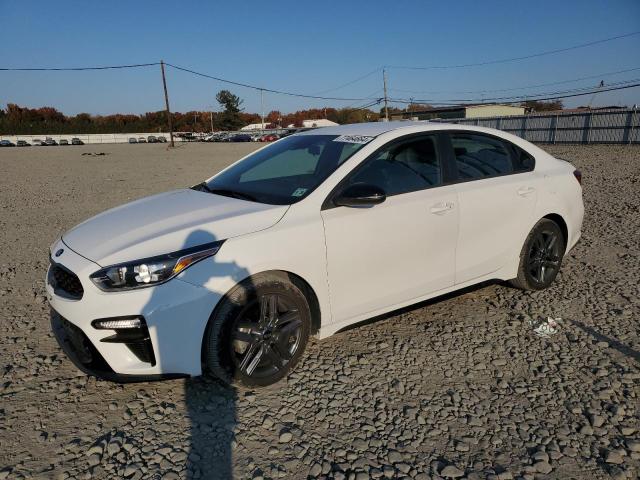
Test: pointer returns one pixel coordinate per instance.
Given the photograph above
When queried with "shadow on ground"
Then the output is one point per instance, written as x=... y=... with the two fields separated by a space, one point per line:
x=613 y=343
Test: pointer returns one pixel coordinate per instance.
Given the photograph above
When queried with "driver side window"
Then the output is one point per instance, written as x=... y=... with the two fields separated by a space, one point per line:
x=402 y=168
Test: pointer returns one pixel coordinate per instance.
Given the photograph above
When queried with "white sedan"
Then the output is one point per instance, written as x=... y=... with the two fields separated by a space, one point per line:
x=303 y=237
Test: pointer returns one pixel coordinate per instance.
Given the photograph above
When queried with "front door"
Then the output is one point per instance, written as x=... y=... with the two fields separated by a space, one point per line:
x=383 y=256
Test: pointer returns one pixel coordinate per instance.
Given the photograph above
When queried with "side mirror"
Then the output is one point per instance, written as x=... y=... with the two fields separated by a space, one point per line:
x=360 y=195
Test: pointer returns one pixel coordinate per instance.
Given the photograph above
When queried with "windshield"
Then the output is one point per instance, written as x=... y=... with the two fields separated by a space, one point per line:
x=286 y=171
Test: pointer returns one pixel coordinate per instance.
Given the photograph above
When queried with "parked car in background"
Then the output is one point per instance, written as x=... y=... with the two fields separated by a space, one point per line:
x=23 y=143
x=76 y=141
x=152 y=139
x=133 y=140
x=142 y=140
x=50 y=142
x=161 y=139
x=307 y=236
x=240 y=138
x=6 y=143
x=64 y=141
x=37 y=142
x=270 y=137
x=256 y=137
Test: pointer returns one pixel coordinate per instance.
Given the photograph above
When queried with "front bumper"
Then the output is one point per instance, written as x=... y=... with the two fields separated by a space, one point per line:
x=87 y=358
x=175 y=314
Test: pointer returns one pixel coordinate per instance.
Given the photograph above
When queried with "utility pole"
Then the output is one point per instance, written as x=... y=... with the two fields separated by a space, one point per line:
x=166 y=103
x=262 y=109
x=211 y=119
x=386 y=99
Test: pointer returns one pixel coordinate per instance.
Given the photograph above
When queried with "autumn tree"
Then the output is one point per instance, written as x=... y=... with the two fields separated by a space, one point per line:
x=541 y=106
x=418 y=107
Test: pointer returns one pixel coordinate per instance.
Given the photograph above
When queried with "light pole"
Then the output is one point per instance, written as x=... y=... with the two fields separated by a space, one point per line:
x=211 y=107
x=386 y=98
x=262 y=109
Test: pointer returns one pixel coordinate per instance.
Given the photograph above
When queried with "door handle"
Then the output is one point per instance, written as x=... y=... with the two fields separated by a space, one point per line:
x=525 y=191
x=441 y=208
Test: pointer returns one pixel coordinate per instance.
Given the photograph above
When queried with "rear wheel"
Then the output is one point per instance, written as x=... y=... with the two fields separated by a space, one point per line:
x=541 y=256
x=259 y=332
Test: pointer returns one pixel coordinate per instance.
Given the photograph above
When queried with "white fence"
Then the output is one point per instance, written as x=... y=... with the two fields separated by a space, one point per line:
x=88 y=139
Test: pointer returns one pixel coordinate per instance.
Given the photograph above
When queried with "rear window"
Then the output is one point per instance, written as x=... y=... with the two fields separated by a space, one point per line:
x=480 y=156
x=522 y=161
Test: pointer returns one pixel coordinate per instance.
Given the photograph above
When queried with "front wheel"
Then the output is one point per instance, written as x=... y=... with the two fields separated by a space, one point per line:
x=541 y=256
x=259 y=332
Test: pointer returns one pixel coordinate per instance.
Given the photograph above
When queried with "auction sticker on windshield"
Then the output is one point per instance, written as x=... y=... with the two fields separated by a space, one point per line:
x=353 y=139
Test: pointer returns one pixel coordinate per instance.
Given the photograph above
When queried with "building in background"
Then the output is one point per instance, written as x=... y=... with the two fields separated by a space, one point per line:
x=255 y=126
x=322 y=122
x=461 y=111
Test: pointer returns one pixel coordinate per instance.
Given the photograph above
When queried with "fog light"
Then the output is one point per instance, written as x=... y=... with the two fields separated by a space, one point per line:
x=117 y=324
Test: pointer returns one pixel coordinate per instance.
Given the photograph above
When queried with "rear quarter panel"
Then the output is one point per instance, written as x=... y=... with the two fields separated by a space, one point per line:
x=562 y=194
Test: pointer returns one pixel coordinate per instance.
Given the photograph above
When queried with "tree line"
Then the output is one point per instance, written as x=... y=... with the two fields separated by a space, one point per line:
x=17 y=120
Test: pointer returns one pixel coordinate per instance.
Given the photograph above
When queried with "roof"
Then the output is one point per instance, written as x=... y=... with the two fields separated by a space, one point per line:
x=371 y=129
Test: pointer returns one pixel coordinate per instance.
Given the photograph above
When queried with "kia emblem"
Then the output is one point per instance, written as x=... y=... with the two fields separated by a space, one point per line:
x=59 y=252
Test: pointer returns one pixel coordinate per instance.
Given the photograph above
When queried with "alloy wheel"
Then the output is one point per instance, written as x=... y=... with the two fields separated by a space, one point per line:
x=266 y=335
x=544 y=257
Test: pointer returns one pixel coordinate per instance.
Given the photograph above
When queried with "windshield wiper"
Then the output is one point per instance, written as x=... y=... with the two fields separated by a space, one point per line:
x=232 y=193
x=201 y=187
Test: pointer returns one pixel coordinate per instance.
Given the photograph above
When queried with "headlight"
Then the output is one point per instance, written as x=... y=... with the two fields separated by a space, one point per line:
x=151 y=271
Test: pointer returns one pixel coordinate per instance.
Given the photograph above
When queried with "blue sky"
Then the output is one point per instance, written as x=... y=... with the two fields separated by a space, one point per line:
x=306 y=47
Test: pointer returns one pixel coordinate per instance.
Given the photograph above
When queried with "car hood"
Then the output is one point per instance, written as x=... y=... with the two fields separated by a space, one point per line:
x=166 y=223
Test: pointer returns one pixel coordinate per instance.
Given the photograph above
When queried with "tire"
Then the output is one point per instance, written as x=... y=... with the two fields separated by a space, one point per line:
x=541 y=256
x=250 y=343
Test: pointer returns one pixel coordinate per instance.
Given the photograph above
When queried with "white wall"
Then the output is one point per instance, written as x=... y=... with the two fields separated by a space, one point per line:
x=88 y=139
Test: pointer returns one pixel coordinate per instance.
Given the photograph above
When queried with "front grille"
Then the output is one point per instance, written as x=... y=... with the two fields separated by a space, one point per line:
x=64 y=282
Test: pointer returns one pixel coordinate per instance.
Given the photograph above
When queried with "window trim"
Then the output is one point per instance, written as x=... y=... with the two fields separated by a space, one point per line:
x=509 y=146
x=442 y=152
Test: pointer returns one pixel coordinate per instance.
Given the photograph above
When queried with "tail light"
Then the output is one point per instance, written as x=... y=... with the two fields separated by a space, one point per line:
x=578 y=175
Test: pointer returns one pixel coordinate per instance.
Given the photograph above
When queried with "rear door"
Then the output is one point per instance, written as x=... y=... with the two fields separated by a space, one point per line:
x=404 y=248
x=497 y=194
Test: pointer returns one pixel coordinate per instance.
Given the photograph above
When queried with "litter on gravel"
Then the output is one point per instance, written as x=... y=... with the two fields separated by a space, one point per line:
x=545 y=327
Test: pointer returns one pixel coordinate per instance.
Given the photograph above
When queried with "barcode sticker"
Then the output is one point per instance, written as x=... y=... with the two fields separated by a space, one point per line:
x=353 y=139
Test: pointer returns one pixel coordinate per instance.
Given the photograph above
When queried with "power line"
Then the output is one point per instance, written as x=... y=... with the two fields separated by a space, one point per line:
x=526 y=97
x=364 y=107
x=371 y=95
x=279 y=92
x=515 y=59
x=350 y=83
x=590 y=77
x=76 y=69
x=521 y=99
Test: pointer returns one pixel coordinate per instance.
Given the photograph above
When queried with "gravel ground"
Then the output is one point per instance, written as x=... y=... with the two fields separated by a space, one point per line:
x=452 y=388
